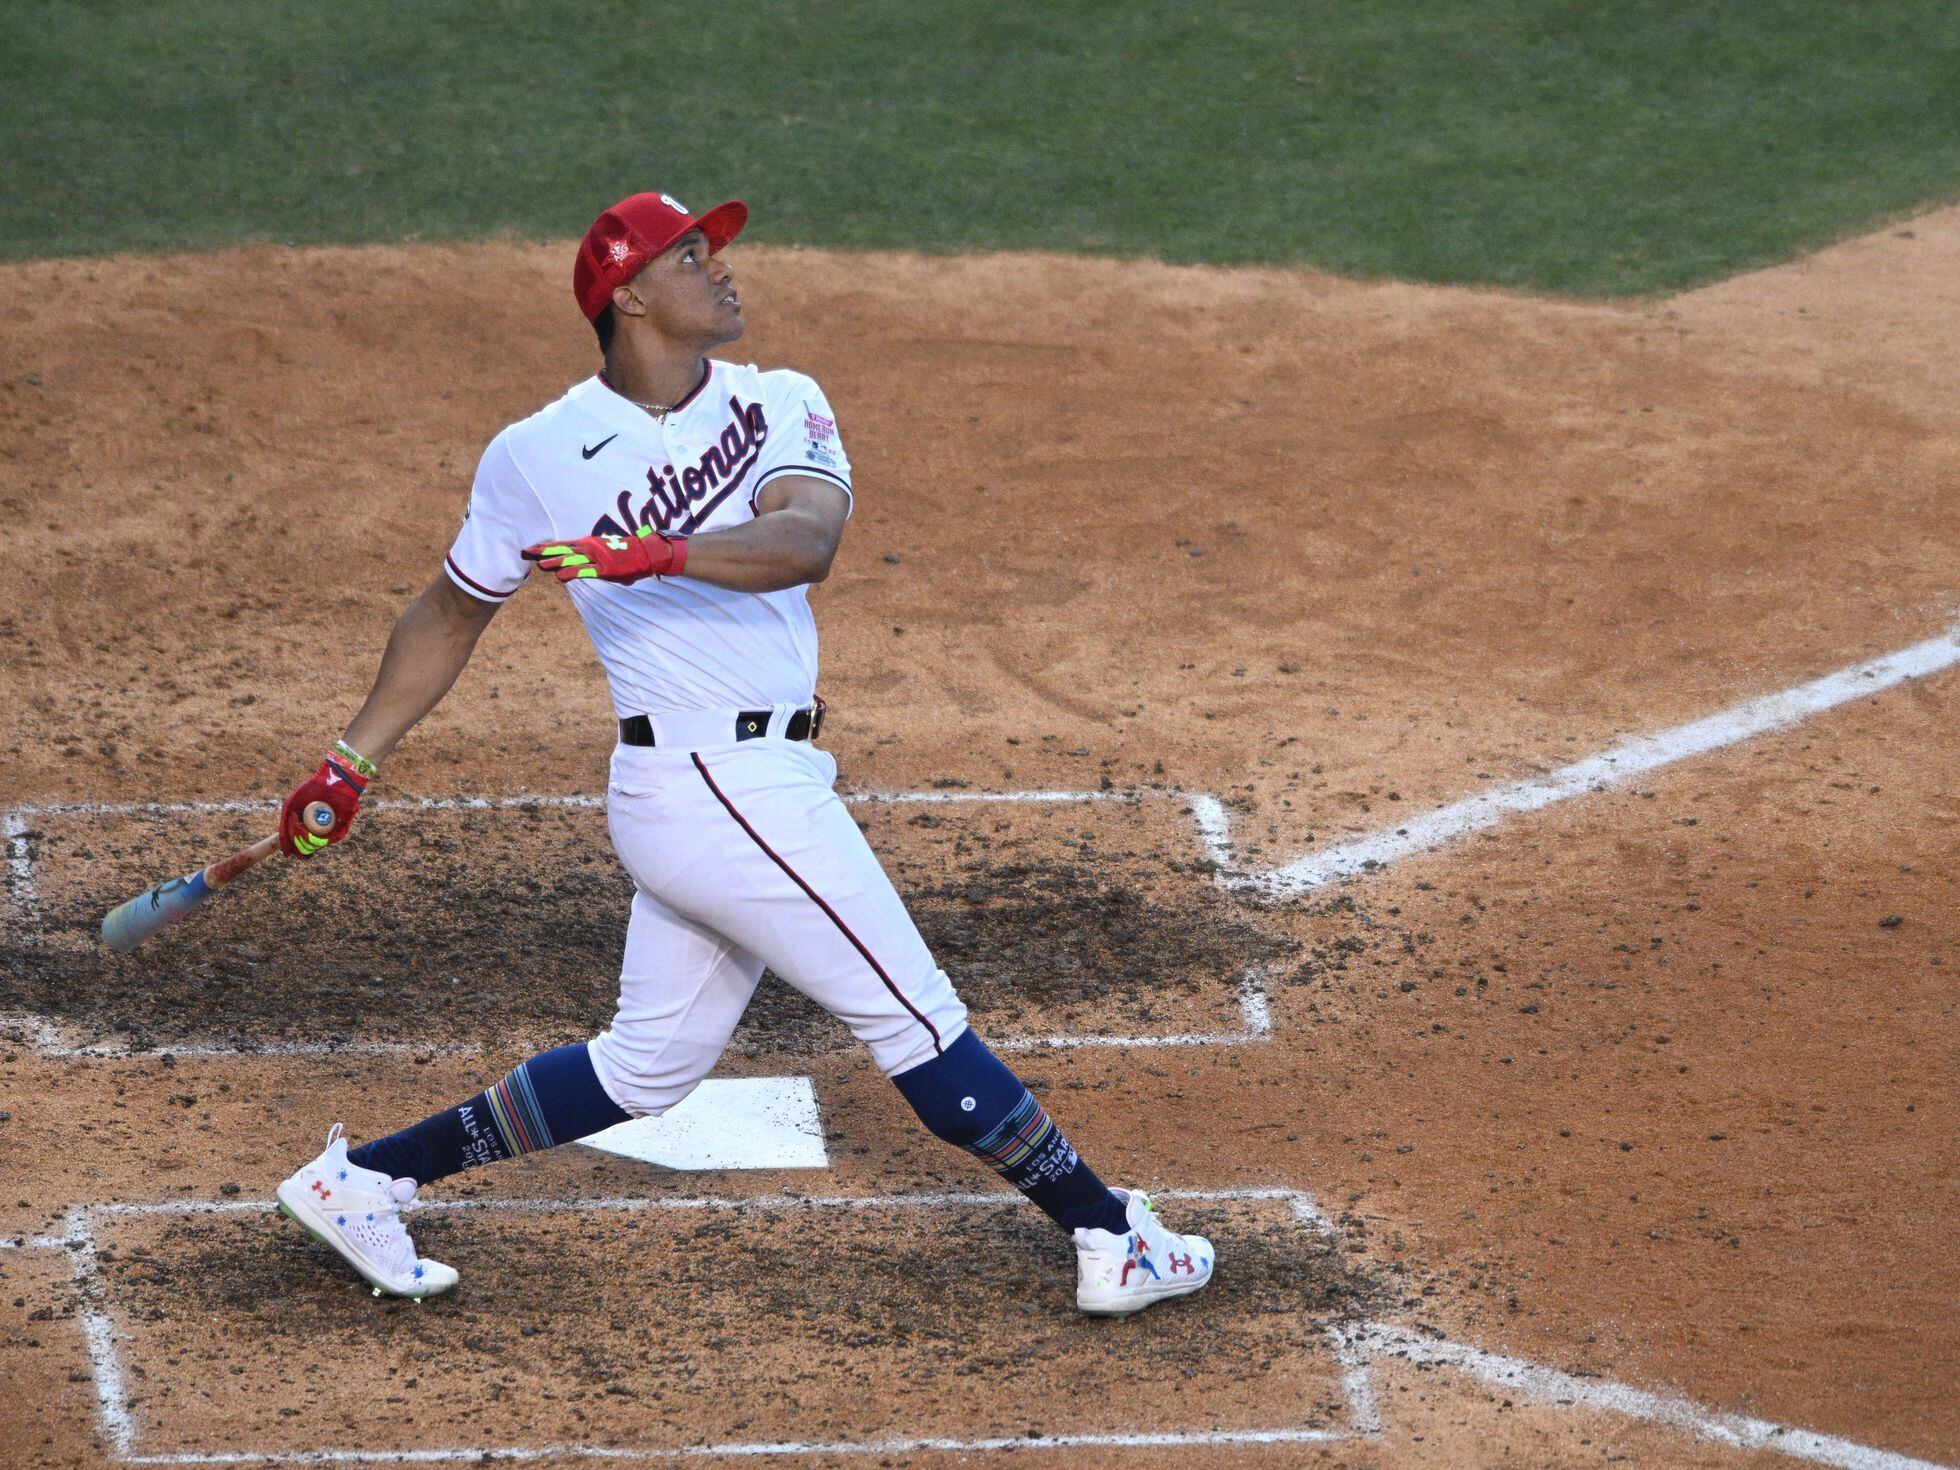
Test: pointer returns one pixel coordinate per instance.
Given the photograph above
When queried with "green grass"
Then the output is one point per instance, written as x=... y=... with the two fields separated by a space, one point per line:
x=1545 y=144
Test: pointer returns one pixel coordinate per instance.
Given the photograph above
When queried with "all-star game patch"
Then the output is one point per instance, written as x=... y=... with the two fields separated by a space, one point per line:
x=820 y=437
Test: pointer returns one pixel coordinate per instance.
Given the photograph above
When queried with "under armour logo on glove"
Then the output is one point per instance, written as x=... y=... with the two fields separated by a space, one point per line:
x=612 y=557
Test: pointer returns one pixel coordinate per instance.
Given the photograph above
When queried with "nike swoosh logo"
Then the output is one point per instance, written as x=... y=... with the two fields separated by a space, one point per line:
x=588 y=453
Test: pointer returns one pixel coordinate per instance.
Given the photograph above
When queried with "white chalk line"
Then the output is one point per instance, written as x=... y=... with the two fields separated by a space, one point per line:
x=1378 y=1340
x=1357 y=1380
x=98 y=1333
x=1356 y=1348
x=53 y=1041
x=746 y=1449
x=20 y=860
x=1255 y=1024
x=1630 y=758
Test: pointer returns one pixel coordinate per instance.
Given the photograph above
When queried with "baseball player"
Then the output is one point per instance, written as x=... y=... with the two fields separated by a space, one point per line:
x=687 y=503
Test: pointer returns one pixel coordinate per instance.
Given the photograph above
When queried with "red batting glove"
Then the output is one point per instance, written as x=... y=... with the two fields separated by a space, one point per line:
x=613 y=557
x=339 y=784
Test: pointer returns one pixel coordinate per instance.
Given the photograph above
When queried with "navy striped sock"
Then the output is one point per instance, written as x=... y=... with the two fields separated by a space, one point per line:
x=553 y=1098
x=969 y=1097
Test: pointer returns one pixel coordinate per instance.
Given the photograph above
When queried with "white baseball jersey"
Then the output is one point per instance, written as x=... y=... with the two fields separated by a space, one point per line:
x=740 y=851
x=594 y=462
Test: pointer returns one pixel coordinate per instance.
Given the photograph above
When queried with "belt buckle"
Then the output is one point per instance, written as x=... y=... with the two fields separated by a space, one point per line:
x=817 y=708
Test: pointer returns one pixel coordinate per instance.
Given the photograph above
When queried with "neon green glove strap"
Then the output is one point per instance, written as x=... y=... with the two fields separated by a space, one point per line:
x=363 y=767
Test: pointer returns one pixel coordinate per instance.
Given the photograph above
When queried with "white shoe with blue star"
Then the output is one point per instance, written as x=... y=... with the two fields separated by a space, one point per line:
x=358 y=1212
x=1120 y=1274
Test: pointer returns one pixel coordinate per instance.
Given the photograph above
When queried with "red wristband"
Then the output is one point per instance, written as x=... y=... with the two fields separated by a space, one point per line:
x=676 y=556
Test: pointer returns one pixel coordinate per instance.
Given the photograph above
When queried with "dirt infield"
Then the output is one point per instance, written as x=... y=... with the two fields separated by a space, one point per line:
x=1653 y=1087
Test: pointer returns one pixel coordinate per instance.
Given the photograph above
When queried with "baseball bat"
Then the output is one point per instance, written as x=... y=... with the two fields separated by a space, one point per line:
x=129 y=924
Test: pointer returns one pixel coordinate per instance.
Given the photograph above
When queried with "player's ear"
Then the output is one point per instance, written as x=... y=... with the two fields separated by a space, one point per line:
x=628 y=302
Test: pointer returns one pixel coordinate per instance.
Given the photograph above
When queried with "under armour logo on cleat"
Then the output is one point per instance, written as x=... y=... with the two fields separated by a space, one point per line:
x=321 y=1190
x=1180 y=1264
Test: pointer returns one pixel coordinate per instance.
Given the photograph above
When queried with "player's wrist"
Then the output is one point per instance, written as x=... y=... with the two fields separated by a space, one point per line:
x=355 y=761
x=666 y=555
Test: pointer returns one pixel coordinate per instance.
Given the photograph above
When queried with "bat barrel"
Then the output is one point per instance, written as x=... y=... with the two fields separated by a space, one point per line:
x=128 y=925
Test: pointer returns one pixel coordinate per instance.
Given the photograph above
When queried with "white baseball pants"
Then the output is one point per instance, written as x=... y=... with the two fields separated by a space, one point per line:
x=743 y=857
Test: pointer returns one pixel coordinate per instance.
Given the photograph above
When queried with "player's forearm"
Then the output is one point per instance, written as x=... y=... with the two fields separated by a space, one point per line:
x=432 y=642
x=786 y=548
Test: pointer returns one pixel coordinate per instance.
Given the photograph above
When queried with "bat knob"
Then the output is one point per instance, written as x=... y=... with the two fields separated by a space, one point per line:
x=320 y=817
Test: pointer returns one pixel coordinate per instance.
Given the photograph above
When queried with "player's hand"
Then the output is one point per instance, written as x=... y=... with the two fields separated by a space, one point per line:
x=612 y=558
x=339 y=784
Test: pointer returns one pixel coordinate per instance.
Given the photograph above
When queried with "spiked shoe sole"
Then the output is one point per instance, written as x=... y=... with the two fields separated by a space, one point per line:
x=1120 y=1301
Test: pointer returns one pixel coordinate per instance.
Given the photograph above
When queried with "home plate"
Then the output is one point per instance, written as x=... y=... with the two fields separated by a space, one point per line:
x=728 y=1123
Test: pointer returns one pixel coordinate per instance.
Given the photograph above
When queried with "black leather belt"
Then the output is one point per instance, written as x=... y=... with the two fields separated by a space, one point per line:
x=750 y=724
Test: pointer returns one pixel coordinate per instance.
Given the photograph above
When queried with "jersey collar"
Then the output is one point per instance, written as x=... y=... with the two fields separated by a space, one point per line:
x=707 y=373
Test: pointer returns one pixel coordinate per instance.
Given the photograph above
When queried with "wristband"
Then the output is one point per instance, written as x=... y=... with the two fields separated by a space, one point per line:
x=363 y=767
x=676 y=553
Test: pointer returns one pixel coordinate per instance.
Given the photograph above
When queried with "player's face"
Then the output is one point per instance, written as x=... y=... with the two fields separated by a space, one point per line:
x=690 y=295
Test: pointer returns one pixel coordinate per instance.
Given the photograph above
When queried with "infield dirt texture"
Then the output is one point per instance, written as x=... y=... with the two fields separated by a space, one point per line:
x=1619 y=1131
x=1646 y=1085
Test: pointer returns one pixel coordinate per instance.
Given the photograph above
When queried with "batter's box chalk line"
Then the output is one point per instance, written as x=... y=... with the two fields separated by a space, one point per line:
x=1357 y=1347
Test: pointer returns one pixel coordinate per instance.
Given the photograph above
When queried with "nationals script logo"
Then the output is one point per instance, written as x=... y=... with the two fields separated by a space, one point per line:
x=679 y=500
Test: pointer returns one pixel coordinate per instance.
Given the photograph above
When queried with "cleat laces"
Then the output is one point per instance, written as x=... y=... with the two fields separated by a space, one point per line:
x=381 y=1236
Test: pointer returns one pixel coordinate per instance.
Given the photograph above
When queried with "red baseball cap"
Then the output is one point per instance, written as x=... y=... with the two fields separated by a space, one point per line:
x=624 y=238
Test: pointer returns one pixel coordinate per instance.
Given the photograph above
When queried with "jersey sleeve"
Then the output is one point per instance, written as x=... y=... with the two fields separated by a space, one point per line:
x=504 y=516
x=802 y=437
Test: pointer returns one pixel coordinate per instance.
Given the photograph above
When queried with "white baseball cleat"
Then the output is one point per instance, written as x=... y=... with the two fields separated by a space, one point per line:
x=358 y=1212
x=1120 y=1274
